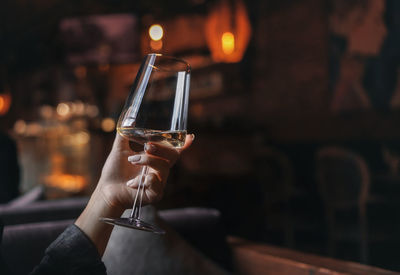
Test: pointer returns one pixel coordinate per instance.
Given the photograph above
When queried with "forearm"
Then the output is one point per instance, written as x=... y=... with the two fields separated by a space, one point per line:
x=98 y=231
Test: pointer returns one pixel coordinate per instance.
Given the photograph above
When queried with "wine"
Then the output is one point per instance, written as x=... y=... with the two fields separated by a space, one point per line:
x=141 y=136
x=156 y=112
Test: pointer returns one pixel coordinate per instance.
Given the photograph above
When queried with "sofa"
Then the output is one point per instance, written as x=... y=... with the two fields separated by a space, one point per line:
x=29 y=227
x=195 y=243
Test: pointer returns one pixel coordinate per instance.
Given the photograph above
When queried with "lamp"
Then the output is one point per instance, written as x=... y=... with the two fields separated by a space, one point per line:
x=228 y=31
x=156 y=33
x=5 y=102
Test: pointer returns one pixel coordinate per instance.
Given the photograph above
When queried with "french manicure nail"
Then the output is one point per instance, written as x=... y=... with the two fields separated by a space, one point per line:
x=134 y=158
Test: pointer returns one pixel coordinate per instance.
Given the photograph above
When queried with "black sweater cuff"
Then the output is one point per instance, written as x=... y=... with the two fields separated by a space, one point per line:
x=71 y=253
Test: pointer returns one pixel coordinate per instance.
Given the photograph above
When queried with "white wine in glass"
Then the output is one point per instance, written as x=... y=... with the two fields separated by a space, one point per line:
x=141 y=136
x=155 y=111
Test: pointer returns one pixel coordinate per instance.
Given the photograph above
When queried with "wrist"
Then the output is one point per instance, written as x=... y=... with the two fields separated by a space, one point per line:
x=89 y=220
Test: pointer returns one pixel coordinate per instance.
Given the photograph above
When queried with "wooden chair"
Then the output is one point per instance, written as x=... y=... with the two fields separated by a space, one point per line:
x=343 y=181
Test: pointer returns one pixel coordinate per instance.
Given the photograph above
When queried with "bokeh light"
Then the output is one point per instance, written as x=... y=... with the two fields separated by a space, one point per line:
x=228 y=42
x=108 y=125
x=156 y=32
x=63 y=109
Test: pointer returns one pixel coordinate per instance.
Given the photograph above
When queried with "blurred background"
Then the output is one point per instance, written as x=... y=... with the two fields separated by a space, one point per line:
x=294 y=104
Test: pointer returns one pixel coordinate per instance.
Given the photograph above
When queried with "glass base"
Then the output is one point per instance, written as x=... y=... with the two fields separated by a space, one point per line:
x=134 y=224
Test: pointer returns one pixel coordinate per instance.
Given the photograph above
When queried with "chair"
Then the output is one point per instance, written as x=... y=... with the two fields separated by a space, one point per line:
x=276 y=178
x=343 y=182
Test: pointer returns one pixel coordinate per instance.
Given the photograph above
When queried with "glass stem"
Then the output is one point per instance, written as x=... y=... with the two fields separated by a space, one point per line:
x=137 y=205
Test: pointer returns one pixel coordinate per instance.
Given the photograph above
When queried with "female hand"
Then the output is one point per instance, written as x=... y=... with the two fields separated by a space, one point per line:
x=122 y=172
x=118 y=185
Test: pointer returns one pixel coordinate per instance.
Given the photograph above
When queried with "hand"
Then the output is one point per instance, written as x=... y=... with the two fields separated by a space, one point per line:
x=122 y=172
x=118 y=185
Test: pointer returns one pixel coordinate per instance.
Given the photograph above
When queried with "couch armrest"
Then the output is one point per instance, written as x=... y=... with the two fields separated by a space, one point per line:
x=253 y=258
x=35 y=194
x=23 y=245
x=42 y=211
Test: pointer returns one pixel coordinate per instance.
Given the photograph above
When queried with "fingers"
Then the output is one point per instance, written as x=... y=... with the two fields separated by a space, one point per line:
x=153 y=187
x=168 y=152
x=159 y=165
x=165 y=152
x=188 y=141
x=159 y=159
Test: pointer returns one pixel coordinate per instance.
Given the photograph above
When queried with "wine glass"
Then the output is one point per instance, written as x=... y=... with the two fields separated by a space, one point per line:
x=155 y=111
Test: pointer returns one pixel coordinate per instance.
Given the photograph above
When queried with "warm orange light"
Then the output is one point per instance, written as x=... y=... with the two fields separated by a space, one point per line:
x=46 y=111
x=20 y=127
x=92 y=111
x=108 y=125
x=156 y=45
x=1 y=103
x=228 y=42
x=77 y=139
x=67 y=182
x=228 y=31
x=156 y=32
x=63 y=109
x=5 y=102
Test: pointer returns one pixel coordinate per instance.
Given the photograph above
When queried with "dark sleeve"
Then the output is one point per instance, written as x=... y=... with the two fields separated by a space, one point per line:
x=72 y=253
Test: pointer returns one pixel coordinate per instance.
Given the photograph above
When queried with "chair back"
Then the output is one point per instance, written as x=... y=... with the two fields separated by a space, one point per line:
x=342 y=176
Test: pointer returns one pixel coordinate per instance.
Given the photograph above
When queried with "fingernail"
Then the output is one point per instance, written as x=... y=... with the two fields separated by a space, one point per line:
x=134 y=158
x=149 y=148
x=130 y=183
